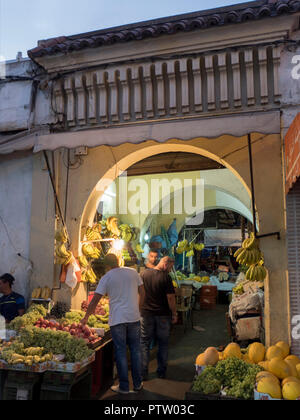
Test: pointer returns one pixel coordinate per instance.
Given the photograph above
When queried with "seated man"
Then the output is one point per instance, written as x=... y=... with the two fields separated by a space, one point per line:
x=11 y=304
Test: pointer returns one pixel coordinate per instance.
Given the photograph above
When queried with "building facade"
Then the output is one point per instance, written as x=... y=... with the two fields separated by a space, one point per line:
x=99 y=103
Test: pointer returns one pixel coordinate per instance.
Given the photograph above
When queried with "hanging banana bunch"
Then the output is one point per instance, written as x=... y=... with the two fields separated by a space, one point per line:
x=251 y=256
x=112 y=227
x=61 y=235
x=126 y=233
x=62 y=255
x=93 y=233
x=250 y=253
x=91 y=251
x=139 y=249
x=184 y=246
x=256 y=272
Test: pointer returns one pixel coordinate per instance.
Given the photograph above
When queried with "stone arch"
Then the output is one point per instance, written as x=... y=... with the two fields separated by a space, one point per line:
x=242 y=210
x=145 y=150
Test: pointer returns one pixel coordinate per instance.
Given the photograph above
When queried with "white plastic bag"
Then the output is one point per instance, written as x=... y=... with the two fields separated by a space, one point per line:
x=71 y=278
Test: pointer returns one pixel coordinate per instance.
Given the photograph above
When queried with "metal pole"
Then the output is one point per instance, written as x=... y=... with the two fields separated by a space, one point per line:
x=54 y=190
x=252 y=184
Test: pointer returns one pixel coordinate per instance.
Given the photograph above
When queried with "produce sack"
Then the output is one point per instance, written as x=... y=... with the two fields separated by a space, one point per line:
x=241 y=305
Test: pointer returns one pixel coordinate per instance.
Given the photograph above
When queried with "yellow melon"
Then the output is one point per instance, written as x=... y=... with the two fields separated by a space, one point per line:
x=269 y=375
x=264 y=365
x=245 y=357
x=292 y=368
x=298 y=369
x=256 y=352
x=270 y=387
x=284 y=347
x=200 y=360
x=273 y=352
x=290 y=379
x=294 y=359
x=211 y=356
x=232 y=350
x=279 y=368
x=291 y=391
x=221 y=356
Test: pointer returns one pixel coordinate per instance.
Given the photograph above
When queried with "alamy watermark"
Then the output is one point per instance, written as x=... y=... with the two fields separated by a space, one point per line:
x=157 y=196
x=296 y=69
x=2 y=328
x=296 y=327
x=2 y=67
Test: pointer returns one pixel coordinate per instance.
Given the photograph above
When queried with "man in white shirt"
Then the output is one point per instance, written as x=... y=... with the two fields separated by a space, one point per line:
x=124 y=288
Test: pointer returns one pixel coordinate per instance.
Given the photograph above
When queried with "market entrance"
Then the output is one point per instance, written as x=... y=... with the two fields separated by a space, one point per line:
x=139 y=231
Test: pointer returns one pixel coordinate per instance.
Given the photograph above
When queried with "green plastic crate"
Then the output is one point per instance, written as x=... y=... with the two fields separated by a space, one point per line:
x=79 y=388
x=22 y=386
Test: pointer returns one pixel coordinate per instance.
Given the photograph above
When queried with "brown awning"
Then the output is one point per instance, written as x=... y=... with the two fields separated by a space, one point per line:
x=292 y=153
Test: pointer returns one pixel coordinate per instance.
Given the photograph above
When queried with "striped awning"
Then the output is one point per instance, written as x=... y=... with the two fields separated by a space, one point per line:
x=292 y=153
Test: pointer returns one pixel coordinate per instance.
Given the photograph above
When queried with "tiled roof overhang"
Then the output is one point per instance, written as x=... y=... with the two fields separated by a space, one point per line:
x=250 y=11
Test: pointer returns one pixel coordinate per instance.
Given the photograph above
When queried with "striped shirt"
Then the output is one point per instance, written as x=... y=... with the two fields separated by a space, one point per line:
x=10 y=306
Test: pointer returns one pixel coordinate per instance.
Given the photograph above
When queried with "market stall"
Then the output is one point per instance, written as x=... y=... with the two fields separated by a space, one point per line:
x=47 y=357
x=246 y=373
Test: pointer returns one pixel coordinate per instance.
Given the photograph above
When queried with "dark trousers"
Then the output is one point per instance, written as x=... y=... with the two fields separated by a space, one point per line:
x=159 y=328
x=123 y=335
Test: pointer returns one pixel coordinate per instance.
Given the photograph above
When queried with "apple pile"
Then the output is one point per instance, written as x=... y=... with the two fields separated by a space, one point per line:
x=101 y=309
x=76 y=330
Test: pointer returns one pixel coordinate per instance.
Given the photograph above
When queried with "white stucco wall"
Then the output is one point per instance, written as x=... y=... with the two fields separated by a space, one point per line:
x=15 y=213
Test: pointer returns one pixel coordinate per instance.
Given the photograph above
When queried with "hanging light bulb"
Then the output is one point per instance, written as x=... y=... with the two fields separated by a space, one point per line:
x=119 y=244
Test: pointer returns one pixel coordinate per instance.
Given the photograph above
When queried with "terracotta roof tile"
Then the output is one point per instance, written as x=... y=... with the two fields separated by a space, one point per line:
x=183 y=23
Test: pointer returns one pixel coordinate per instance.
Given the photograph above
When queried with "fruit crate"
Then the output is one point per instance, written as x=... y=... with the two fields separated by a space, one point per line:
x=206 y=291
x=3 y=374
x=22 y=386
x=208 y=302
x=57 y=386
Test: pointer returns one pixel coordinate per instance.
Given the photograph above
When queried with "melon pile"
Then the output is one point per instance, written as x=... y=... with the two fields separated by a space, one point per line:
x=281 y=375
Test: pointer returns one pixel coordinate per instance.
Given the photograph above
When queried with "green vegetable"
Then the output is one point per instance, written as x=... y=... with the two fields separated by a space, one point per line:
x=56 y=342
x=207 y=382
x=234 y=375
x=34 y=313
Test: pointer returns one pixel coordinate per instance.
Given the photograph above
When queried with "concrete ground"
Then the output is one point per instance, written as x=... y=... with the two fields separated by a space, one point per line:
x=184 y=348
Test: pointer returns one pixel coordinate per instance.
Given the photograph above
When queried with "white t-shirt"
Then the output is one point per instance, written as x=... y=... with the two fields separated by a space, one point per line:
x=121 y=286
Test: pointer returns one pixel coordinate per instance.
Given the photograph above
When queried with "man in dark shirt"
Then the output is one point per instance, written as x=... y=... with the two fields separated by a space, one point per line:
x=158 y=310
x=11 y=304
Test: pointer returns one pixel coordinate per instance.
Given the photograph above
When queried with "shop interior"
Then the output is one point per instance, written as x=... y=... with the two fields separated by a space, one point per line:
x=212 y=234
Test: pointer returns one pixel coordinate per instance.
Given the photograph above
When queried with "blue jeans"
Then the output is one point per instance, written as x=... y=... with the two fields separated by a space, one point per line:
x=158 y=327
x=123 y=335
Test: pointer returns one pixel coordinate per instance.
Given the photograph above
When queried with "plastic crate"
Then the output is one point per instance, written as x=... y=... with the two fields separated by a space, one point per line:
x=62 y=386
x=209 y=291
x=3 y=374
x=22 y=386
x=208 y=302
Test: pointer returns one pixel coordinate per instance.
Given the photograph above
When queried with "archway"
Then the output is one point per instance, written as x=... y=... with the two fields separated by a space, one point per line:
x=130 y=159
x=105 y=162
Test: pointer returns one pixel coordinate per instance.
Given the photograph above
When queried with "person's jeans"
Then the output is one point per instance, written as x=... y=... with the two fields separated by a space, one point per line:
x=158 y=327
x=123 y=335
